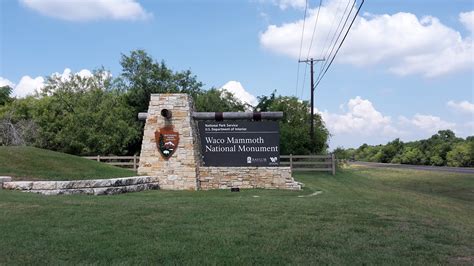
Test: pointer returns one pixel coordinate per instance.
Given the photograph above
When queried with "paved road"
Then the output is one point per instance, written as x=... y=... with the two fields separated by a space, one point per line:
x=464 y=170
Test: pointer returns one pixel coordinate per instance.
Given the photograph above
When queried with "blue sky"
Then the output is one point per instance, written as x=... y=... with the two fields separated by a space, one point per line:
x=406 y=69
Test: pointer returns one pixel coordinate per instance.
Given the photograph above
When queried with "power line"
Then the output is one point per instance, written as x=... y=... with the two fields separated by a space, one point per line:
x=301 y=47
x=304 y=79
x=347 y=32
x=314 y=29
x=334 y=40
x=310 y=46
x=330 y=28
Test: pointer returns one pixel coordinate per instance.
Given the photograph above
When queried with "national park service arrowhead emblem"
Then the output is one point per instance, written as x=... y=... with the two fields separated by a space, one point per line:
x=167 y=141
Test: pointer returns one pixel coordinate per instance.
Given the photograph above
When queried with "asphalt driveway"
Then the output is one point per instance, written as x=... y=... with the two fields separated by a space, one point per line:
x=464 y=170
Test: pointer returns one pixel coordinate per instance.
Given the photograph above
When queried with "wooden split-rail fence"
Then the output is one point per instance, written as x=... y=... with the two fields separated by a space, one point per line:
x=121 y=161
x=308 y=163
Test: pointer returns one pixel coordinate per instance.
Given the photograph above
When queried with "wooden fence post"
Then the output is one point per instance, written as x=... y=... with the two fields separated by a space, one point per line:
x=333 y=160
x=291 y=162
x=98 y=158
x=134 y=162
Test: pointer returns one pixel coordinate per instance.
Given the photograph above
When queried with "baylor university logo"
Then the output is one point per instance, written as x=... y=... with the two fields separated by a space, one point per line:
x=167 y=141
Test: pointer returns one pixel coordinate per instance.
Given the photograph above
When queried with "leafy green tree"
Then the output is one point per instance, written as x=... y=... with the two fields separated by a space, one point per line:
x=412 y=155
x=215 y=100
x=142 y=76
x=85 y=115
x=377 y=156
x=368 y=153
x=460 y=155
x=294 y=126
x=5 y=92
x=341 y=153
x=443 y=148
x=436 y=160
x=397 y=159
x=389 y=151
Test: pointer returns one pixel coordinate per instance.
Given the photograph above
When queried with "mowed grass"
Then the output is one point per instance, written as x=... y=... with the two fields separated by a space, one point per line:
x=28 y=163
x=363 y=216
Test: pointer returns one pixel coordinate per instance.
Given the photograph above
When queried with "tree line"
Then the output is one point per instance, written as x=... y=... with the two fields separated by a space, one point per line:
x=90 y=115
x=441 y=149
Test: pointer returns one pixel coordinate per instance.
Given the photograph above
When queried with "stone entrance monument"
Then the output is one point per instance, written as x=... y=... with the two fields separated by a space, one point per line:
x=186 y=150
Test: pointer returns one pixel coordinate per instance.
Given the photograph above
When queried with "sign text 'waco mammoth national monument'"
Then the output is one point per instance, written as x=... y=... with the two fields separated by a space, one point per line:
x=184 y=149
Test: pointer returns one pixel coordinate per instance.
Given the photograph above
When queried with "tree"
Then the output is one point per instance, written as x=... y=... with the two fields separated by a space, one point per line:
x=215 y=100
x=5 y=92
x=390 y=150
x=142 y=76
x=443 y=148
x=85 y=115
x=460 y=155
x=15 y=133
x=17 y=126
x=294 y=126
x=412 y=155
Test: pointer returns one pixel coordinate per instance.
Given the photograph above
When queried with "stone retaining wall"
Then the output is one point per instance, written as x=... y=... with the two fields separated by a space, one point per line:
x=90 y=187
x=247 y=177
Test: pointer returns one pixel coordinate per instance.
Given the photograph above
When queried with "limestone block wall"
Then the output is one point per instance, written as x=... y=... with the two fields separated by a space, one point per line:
x=180 y=171
x=90 y=187
x=247 y=177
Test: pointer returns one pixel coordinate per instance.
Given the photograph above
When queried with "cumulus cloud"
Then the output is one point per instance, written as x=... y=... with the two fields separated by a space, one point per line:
x=285 y=4
x=467 y=19
x=29 y=86
x=462 y=106
x=6 y=82
x=67 y=73
x=87 y=10
x=403 y=42
x=298 y=4
x=358 y=121
x=427 y=123
x=240 y=93
x=360 y=118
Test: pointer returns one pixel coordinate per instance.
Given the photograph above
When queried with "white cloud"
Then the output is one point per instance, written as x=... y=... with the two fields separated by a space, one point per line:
x=6 y=82
x=467 y=19
x=469 y=128
x=240 y=93
x=403 y=42
x=427 y=123
x=85 y=73
x=28 y=86
x=285 y=4
x=298 y=4
x=361 y=118
x=463 y=106
x=67 y=73
x=86 y=10
x=358 y=121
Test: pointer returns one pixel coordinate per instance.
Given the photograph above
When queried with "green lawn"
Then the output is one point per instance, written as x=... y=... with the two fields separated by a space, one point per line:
x=363 y=216
x=28 y=163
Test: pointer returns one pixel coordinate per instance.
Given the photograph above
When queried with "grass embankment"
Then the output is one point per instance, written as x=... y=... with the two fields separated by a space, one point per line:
x=28 y=163
x=363 y=216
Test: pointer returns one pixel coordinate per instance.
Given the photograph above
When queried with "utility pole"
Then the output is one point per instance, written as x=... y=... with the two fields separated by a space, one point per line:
x=311 y=62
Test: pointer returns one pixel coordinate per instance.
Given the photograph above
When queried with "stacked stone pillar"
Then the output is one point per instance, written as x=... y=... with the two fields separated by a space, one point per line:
x=180 y=171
